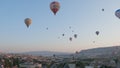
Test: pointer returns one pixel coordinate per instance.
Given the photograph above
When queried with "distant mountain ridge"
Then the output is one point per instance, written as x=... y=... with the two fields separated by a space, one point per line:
x=88 y=53
x=100 y=52
x=45 y=53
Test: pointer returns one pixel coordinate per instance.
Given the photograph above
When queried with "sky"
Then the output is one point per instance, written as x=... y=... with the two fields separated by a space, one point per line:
x=84 y=16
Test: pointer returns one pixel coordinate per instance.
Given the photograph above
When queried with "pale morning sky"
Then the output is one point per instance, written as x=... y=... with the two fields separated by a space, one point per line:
x=84 y=16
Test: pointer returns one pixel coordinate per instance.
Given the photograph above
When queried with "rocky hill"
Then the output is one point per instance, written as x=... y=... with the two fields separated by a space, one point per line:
x=100 y=52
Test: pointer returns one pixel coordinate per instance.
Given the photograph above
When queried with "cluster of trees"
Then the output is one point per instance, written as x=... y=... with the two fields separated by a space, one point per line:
x=10 y=62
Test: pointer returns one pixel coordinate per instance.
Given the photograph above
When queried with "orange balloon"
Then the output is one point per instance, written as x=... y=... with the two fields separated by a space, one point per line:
x=55 y=6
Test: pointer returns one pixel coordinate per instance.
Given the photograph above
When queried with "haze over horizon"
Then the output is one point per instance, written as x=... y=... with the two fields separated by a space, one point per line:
x=84 y=16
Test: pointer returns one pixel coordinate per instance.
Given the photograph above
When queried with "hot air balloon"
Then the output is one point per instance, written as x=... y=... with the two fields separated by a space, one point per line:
x=72 y=31
x=28 y=21
x=117 y=13
x=75 y=35
x=63 y=34
x=70 y=38
x=97 y=32
x=102 y=9
x=47 y=28
x=69 y=27
x=55 y=6
x=77 y=52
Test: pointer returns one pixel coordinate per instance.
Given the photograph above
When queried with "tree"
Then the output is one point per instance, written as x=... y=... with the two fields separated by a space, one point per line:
x=80 y=65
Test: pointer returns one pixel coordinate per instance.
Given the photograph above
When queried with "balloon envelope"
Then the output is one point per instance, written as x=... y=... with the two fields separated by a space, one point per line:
x=117 y=13
x=75 y=35
x=55 y=6
x=28 y=21
x=102 y=9
x=69 y=27
x=77 y=52
x=47 y=28
x=97 y=32
x=63 y=34
x=70 y=38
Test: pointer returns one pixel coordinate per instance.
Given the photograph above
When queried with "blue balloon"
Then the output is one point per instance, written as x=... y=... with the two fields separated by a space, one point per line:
x=117 y=13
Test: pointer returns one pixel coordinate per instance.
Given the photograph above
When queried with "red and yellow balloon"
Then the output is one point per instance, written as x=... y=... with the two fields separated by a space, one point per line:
x=55 y=6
